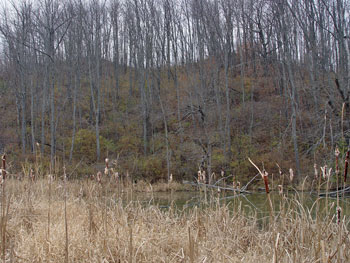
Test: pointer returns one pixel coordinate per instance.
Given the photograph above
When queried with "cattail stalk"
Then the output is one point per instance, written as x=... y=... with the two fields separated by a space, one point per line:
x=130 y=245
x=264 y=175
x=338 y=215
x=4 y=166
x=342 y=120
x=266 y=181
x=346 y=165
x=337 y=171
x=49 y=211
x=3 y=209
x=65 y=214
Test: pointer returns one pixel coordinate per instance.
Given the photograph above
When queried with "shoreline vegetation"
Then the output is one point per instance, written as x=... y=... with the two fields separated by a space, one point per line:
x=57 y=219
x=100 y=227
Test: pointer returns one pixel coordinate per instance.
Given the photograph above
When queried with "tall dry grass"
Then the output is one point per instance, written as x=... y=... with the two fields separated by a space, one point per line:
x=101 y=228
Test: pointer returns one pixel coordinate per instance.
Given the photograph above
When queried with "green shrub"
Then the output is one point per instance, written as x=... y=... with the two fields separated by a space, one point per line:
x=151 y=167
x=85 y=146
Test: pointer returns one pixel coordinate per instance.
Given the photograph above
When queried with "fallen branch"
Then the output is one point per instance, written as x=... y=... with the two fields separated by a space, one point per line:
x=217 y=187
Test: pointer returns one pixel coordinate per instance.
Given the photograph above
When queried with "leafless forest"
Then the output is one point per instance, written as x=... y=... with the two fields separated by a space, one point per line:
x=166 y=86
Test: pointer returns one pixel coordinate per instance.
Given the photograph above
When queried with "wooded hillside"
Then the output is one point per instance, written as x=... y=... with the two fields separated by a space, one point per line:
x=167 y=86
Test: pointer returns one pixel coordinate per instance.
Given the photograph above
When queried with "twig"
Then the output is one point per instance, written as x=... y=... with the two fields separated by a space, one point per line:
x=223 y=179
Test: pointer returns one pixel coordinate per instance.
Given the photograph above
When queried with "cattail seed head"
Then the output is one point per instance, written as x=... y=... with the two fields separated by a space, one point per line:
x=316 y=171
x=266 y=181
x=64 y=173
x=324 y=172
x=280 y=189
x=339 y=214
x=336 y=152
x=99 y=177
x=291 y=175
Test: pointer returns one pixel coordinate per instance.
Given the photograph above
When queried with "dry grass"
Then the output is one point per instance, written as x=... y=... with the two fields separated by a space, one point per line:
x=103 y=229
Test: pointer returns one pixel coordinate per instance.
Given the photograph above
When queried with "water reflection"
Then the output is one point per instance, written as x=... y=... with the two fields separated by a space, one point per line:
x=253 y=204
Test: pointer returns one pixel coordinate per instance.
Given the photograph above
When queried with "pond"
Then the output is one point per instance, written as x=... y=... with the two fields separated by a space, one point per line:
x=255 y=203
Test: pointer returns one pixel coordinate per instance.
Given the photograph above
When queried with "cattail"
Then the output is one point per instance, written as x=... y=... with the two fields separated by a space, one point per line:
x=50 y=177
x=4 y=166
x=213 y=177
x=32 y=175
x=291 y=175
x=324 y=171
x=336 y=153
x=266 y=181
x=280 y=171
x=116 y=177
x=64 y=173
x=99 y=177
x=199 y=176
x=346 y=165
x=316 y=171
x=280 y=189
x=170 y=178
x=338 y=214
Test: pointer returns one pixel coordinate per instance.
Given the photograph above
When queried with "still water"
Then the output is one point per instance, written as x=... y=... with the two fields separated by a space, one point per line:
x=255 y=203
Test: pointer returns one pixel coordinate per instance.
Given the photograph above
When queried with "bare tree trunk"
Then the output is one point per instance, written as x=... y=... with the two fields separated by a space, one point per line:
x=32 y=117
x=76 y=84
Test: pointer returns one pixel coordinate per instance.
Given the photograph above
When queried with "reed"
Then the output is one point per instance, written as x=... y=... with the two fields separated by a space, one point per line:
x=139 y=233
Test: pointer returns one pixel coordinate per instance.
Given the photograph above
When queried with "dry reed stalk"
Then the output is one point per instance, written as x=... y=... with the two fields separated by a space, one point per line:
x=49 y=210
x=337 y=171
x=275 y=255
x=65 y=215
x=32 y=175
x=342 y=120
x=3 y=210
x=99 y=177
x=161 y=236
x=346 y=165
x=190 y=245
x=130 y=245
x=4 y=166
x=323 y=252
